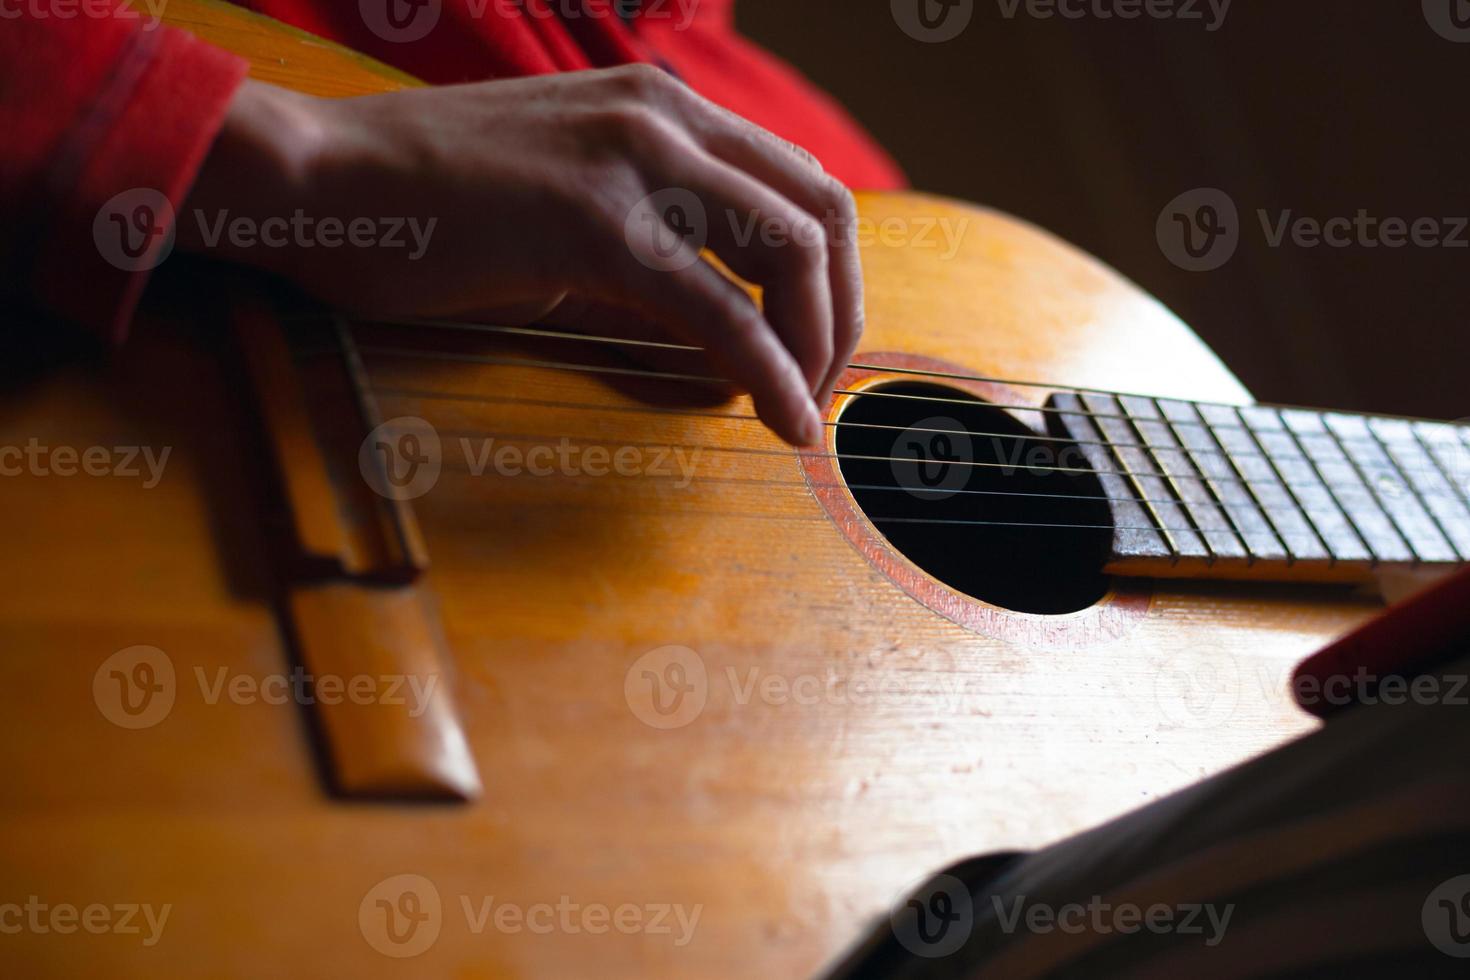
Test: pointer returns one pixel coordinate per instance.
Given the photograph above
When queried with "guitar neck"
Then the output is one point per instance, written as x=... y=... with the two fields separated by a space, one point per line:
x=1261 y=492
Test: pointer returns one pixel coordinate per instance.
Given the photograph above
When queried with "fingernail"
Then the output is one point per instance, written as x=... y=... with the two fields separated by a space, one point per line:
x=811 y=425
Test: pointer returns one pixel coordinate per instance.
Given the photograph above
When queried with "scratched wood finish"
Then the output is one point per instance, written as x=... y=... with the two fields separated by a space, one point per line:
x=792 y=821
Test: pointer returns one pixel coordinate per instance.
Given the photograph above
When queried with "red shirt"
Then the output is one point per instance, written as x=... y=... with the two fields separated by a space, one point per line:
x=91 y=108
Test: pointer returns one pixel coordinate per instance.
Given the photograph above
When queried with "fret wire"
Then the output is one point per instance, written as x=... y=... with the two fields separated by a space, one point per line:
x=1460 y=485
x=1373 y=497
x=1443 y=523
x=1231 y=504
x=1147 y=457
x=1201 y=504
x=1285 y=484
x=1101 y=455
x=1442 y=494
x=1373 y=525
x=1295 y=492
x=1401 y=511
x=1350 y=523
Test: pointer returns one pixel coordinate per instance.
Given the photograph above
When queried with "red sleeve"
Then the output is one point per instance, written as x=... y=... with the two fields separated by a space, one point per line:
x=105 y=120
x=1412 y=637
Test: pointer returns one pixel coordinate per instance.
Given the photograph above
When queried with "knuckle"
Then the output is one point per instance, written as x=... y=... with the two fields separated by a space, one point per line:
x=841 y=208
x=810 y=241
x=737 y=316
x=800 y=152
x=839 y=199
x=639 y=81
x=629 y=129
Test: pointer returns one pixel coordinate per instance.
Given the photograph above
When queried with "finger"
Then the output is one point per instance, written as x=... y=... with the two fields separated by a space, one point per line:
x=697 y=303
x=797 y=175
x=767 y=240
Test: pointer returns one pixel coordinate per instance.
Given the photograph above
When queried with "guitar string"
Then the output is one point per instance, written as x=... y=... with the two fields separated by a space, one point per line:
x=1124 y=471
x=1029 y=437
x=1207 y=533
x=1228 y=516
x=1200 y=531
x=1206 y=482
x=1226 y=455
x=1276 y=482
x=549 y=334
x=407 y=353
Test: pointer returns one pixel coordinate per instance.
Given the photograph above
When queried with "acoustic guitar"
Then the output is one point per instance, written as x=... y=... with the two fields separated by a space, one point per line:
x=334 y=647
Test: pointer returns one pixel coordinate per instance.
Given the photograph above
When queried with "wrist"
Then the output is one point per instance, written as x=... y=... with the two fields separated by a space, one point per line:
x=264 y=164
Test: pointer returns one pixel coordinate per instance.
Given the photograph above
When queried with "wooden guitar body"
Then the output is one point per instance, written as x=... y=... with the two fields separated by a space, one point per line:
x=720 y=697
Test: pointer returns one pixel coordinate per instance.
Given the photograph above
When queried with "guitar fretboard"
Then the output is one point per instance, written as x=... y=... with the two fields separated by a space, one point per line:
x=1263 y=492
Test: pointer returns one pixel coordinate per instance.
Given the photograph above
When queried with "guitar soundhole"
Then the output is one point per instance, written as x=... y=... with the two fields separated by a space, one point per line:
x=977 y=500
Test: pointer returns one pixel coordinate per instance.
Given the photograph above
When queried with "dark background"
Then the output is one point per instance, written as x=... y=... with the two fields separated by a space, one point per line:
x=1090 y=127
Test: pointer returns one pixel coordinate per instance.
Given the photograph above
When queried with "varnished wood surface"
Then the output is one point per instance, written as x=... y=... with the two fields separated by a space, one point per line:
x=790 y=825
